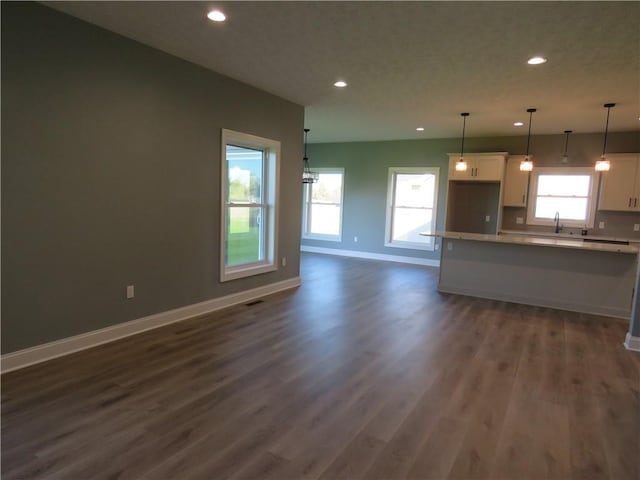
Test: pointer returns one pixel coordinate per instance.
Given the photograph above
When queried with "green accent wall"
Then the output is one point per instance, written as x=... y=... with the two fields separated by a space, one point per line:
x=111 y=177
x=366 y=167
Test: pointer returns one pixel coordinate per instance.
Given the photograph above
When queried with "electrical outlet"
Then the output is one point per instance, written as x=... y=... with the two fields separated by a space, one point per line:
x=519 y=220
x=284 y=261
x=636 y=227
x=437 y=247
x=355 y=239
x=601 y=225
x=130 y=291
x=449 y=246
x=487 y=218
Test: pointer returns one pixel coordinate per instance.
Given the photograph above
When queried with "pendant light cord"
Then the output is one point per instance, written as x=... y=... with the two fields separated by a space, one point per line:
x=464 y=126
x=606 y=129
x=306 y=131
x=566 y=141
x=531 y=110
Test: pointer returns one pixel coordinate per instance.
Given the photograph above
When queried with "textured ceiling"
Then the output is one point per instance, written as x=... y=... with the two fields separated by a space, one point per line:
x=409 y=64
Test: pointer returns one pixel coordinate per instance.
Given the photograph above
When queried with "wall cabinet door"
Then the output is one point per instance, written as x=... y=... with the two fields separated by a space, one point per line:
x=516 y=183
x=490 y=169
x=620 y=186
x=480 y=167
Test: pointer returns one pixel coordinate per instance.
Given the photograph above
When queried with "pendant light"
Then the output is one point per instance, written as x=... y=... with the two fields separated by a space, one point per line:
x=603 y=165
x=307 y=175
x=527 y=165
x=461 y=165
x=565 y=157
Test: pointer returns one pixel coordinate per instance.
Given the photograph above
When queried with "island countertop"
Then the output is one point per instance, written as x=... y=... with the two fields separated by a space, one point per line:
x=542 y=241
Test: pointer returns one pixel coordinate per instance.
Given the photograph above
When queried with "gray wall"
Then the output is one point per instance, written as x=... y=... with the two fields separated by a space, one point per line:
x=366 y=167
x=469 y=203
x=111 y=174
x=366 y=173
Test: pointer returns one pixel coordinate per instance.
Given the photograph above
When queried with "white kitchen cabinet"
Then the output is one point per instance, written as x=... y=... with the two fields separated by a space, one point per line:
x=516 y=183
x=488 y=167
x=620 y=186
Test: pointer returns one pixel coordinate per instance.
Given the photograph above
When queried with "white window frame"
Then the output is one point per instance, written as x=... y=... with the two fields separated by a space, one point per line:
x=591 y=199
x=389 y=242
x=270 y=195
x=306 y=208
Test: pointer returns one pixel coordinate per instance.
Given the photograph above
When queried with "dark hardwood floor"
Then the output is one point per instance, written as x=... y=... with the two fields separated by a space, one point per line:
x=365 y=371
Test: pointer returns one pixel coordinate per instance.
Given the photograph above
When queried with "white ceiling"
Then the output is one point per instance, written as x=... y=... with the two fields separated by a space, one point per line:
x=409 y=64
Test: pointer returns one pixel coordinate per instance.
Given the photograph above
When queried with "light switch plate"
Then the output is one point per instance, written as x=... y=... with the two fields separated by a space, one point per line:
x=601 y=225
x=519 y=220
x=636 y=227
x=487 y=218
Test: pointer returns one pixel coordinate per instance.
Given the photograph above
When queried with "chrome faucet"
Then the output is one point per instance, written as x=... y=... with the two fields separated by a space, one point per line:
x=557 y=220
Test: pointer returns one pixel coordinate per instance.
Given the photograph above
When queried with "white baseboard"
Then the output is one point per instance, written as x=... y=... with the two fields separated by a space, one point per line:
x=632 y=343
x=371 y=256
x=48 y=351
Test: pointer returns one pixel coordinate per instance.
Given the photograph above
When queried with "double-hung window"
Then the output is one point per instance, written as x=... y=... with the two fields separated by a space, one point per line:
x=322 y=209
x=411 y=208
x=249 y=214
x=568 y=194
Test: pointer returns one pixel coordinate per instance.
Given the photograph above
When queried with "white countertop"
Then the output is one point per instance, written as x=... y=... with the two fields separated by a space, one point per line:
x=543 y=242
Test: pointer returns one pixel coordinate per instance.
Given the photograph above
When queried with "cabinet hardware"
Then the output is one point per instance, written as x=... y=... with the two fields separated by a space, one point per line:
x=635 y=202
x=522 y=198
x=629 y=202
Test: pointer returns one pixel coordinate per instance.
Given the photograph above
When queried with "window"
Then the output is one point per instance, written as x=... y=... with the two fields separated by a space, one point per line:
x=322 y=211
x=411 y=207
x=249 y=217
x=568 y=192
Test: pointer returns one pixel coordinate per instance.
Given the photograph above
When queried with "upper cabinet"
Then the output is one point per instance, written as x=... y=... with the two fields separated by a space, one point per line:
x=516 y=183
x=620 y=187
x=488 y=167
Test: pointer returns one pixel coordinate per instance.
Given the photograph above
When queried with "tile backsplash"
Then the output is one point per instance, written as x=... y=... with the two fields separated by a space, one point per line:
x=616 y=224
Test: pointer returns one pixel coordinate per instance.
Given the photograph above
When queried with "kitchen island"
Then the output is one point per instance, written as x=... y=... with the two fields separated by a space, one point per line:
x=568 y=274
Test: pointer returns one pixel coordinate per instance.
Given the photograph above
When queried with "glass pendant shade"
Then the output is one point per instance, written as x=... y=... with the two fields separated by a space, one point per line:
x=461 y=165
x=526 y=165
x=603 y=165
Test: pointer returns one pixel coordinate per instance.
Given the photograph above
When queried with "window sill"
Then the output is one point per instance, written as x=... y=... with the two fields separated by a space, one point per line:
x=234 y=273
x=326 y=238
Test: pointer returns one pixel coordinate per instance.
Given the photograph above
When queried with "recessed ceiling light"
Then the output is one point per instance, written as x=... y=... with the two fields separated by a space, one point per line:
x=518 y=124
x=536 y=60
x=216 y=16
x=340 y=84
x=420 y=129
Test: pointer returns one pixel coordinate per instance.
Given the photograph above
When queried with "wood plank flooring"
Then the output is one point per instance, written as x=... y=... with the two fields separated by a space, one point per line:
x=364 y=372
